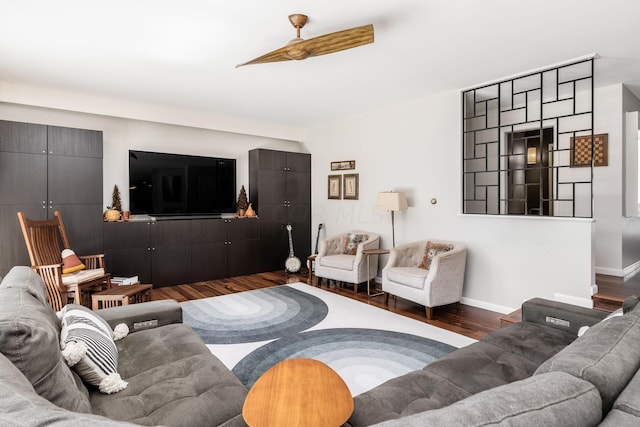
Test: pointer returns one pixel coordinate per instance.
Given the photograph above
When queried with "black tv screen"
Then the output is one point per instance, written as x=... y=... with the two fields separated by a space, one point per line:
x=162 y=184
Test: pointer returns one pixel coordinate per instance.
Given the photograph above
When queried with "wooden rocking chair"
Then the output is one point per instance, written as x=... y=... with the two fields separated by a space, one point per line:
x=43 y=244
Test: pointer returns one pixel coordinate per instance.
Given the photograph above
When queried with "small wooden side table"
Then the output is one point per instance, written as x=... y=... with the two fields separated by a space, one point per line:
x=121 y=295
x=310 y=260
x=298 y=392
x=368 y=253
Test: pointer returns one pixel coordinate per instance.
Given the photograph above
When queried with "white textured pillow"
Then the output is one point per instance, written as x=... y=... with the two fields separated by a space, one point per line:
x=88 y=346
x=584 y=329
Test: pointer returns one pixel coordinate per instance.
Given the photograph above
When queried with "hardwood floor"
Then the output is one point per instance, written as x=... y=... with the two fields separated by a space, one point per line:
x=470 y=321
x=613 y=290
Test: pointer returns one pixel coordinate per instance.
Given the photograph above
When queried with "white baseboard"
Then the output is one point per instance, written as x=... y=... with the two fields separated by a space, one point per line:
x=486 y=305
x=631 y=270
x=570 y=299
x=610 y=271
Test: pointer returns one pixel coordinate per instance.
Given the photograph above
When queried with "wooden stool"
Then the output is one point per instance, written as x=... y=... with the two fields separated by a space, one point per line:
x=121 y=295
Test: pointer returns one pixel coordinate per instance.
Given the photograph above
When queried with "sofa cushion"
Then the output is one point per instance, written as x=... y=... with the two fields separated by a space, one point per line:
x=554 y=399
x=491 y=362
x=410 y=276
x=351 y=242
x=21 y=277
x=534 y=342
x=431 y=250
x=627 y=405
x=607 y=355
x=30 y=339
x=342 y=262
x=173 y=380
x=20 y=405
x=88 y=346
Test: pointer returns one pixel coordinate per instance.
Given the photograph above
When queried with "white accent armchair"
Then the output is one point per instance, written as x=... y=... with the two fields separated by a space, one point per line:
x=337 y=262
x=439 y=284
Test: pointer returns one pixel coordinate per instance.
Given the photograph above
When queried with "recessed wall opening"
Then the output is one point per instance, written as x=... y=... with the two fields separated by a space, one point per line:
x=529 y=172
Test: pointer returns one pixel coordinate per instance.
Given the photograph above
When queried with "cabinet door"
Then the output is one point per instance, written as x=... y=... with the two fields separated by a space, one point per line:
x=273 y=237
x=171 y=265
x=299 y=216
x=74 y=180
x=13 y=249
x=84 y=227
x=243 y=248
x=127 y=249
x=298 y=186
x=171 y=252
x=19 y=137
x=272 y=187
x=272 y=159
x=74 y=142
x=23 y=178
x=23 y=187
x=208 y=249
x=298 y=162
x=74 y=185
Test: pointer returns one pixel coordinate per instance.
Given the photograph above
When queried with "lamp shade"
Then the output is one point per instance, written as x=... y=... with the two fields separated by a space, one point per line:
x=392 y=201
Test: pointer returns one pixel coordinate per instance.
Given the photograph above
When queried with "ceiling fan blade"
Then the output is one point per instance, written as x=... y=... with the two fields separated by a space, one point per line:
x=274 y=56
x=321 y=45
x=340 y=40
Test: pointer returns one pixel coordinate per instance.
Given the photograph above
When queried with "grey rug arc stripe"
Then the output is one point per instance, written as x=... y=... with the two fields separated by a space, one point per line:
x=272 y=313
x=251 y=331
x=341 y=348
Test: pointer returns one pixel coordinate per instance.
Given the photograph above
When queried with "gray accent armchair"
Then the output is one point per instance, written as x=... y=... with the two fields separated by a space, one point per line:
x=332 y=263
x=440 y=284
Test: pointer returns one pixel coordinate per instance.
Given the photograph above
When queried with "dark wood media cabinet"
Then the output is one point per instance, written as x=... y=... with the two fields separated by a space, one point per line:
x=171 y=252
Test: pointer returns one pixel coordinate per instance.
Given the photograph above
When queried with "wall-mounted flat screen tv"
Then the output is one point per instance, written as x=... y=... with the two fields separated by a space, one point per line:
x=163 y=184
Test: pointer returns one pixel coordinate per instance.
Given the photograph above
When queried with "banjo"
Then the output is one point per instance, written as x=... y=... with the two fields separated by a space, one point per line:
x=292 y=264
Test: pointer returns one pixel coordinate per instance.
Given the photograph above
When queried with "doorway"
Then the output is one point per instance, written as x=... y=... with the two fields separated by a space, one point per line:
x=529 y=172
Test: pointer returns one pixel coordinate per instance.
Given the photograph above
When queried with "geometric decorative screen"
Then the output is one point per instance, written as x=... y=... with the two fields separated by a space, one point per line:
x=527 y=144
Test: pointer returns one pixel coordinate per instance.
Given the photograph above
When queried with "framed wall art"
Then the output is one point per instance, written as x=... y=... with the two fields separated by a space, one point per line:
x=351 y=186
x=343 y=165
x=334 y=187
x=581 y=150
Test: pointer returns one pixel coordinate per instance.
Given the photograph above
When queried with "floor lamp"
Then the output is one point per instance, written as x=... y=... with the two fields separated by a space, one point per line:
x=392 y=201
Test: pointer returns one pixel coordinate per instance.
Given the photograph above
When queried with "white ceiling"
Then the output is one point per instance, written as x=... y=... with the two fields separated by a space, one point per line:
x=182 y=53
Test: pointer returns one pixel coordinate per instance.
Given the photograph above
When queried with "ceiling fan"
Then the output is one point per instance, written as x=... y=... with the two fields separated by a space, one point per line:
x=300 y=48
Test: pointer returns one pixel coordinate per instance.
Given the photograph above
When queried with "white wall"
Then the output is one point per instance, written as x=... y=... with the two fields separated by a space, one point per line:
x=607 y=182
x=631 y=224
x=120 y=135
x=416 y=147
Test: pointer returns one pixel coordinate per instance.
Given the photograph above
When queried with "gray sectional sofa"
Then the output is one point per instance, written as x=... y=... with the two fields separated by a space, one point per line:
x=532 y=373
x=173 y=378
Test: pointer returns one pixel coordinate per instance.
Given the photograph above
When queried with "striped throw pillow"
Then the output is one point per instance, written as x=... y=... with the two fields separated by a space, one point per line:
x=88 y=346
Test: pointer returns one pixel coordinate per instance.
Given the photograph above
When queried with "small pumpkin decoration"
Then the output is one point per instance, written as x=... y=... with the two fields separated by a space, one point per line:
x=111 y=214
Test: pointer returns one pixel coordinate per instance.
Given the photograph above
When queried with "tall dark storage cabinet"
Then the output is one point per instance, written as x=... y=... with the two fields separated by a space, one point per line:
x=44 y=169
x=280 y=192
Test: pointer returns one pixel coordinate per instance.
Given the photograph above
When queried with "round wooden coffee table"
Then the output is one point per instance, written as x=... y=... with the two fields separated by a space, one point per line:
x=298 y=392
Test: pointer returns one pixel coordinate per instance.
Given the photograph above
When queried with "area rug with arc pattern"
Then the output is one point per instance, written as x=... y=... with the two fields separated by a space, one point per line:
x=252 y=331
